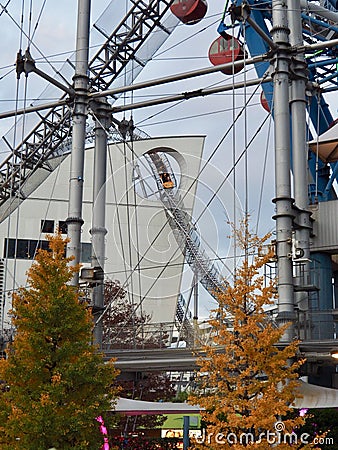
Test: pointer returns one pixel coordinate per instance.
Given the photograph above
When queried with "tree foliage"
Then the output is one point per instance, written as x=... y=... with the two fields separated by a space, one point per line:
x=126 y=327
x=123 y=324
x=54 y=382
x=246 y=383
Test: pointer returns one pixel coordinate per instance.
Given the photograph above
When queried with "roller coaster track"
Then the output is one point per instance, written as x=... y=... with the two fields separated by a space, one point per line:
x=49 y=137
x=184 y=231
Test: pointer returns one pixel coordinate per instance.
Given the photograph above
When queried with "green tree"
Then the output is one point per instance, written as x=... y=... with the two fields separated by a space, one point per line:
x=246 y=382
x=55 y=384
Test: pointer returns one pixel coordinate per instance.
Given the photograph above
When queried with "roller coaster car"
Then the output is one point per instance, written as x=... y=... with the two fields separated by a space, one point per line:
x=167 y=182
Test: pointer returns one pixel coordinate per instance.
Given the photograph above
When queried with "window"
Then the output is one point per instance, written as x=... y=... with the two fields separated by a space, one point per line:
x=86 y=252
x=33 y=247
x=44 y=245
x=26 y=249
x=63 y=226
x=47 y=226
x=23 y=248
x=9 y=248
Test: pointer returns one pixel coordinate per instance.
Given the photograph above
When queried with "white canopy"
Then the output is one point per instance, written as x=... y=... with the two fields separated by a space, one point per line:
x=327 y=145
x=312 y=397
x=316 y=396
x=138 y=407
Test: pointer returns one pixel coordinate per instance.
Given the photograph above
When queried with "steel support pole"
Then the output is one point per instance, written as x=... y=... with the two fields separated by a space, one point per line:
x=299 y=153
x=322 y=325
x=283 y=201
x=186 y=426
x=298 y=108
x=98 y=230
x=195 y=282
x=74 y=220
x=195 y=317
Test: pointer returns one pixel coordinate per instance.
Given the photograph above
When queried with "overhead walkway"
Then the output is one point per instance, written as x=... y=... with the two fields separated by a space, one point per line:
x=184 y=359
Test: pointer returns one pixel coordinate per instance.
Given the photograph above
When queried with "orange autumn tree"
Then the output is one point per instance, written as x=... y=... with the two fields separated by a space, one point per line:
x=54 y=383
x=246 y=383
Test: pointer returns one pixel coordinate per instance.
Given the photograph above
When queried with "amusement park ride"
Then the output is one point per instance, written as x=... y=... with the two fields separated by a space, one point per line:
x=293 y=48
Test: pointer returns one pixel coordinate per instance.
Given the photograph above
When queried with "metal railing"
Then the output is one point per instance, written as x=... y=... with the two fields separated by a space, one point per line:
x=143 y=336
x=317 y=325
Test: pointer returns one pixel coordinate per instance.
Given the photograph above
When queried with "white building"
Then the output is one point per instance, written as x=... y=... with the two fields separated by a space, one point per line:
x=141 y=251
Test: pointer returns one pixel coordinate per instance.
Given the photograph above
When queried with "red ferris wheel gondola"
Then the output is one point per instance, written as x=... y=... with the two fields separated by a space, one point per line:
x=189 y=11
x=264 y=102
x=226 y=50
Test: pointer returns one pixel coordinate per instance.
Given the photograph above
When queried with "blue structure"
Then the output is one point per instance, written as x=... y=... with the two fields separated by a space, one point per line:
x=322 y=70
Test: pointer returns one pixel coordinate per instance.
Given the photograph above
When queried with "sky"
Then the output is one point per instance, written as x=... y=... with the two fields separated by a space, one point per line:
x=185 y=49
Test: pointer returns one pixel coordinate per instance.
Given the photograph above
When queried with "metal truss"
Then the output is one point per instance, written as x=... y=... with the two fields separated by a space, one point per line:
x=123 y=44
x=46 y=139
